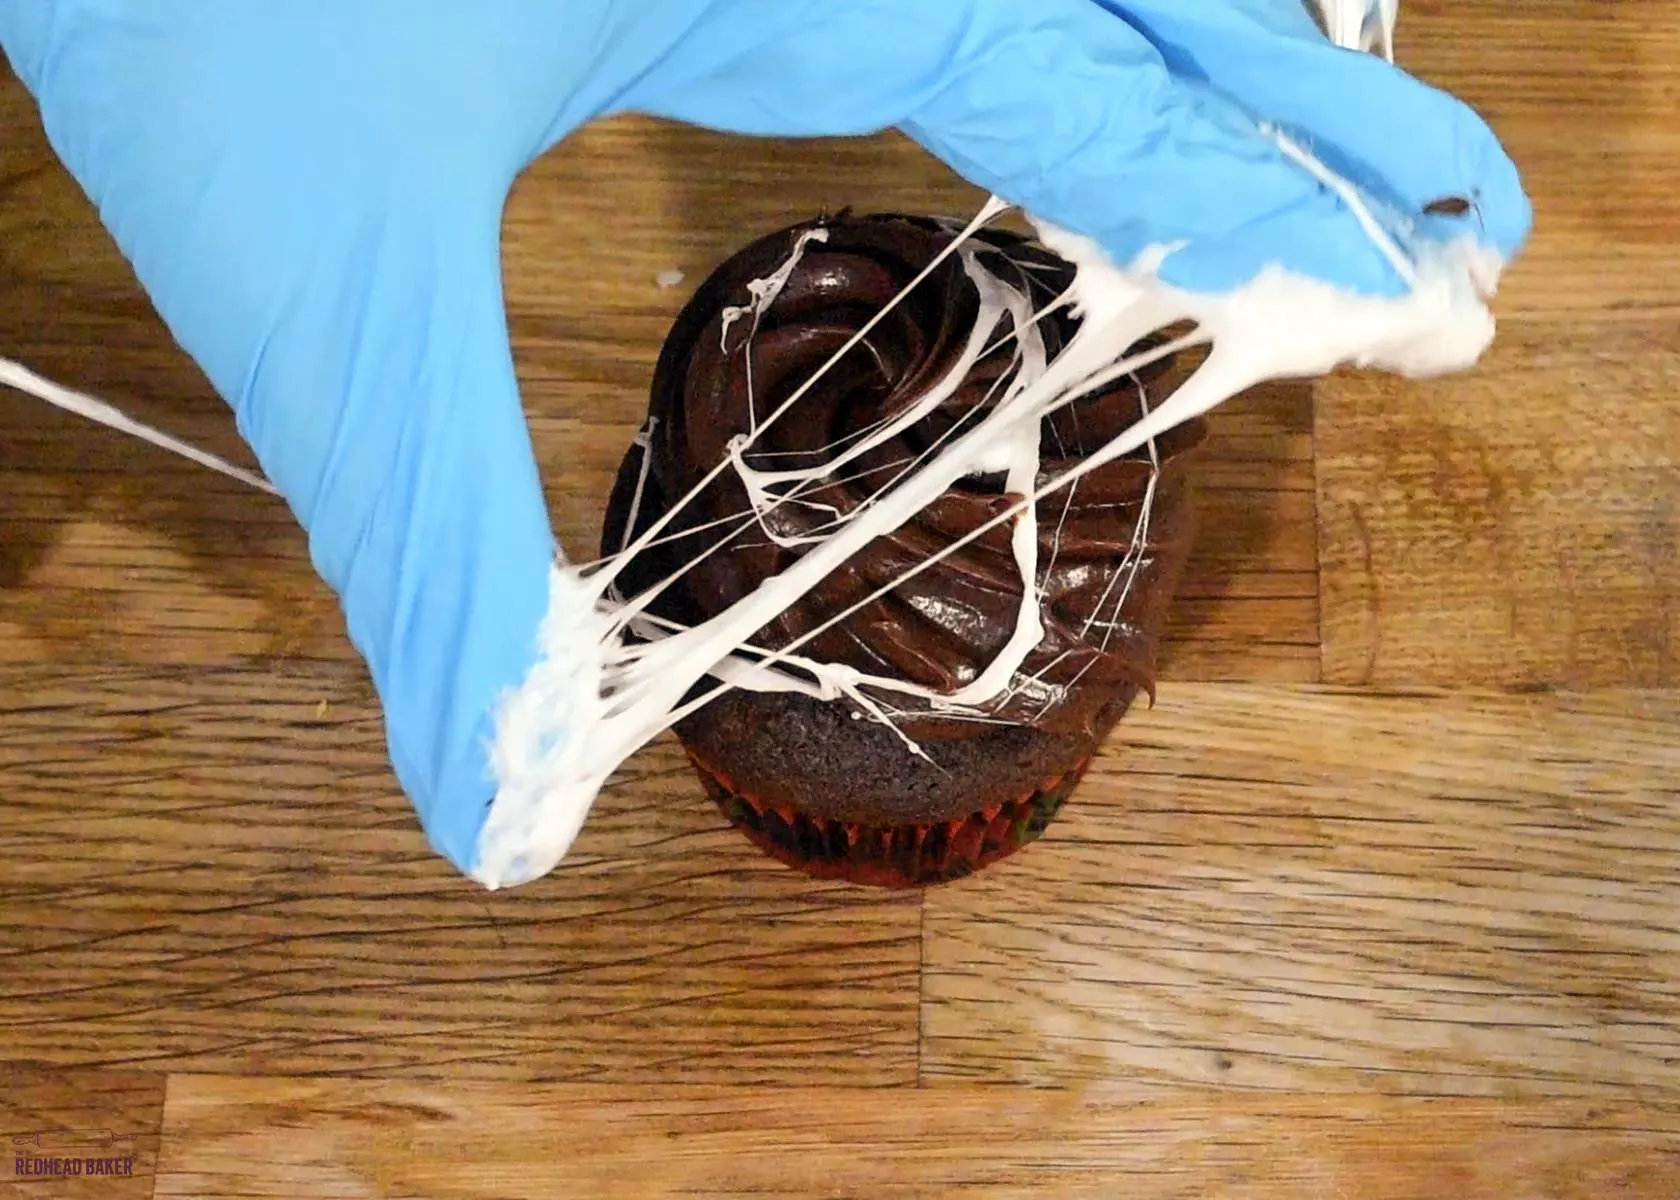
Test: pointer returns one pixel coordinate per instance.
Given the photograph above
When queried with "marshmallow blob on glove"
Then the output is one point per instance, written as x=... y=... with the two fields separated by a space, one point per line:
x=311 y=193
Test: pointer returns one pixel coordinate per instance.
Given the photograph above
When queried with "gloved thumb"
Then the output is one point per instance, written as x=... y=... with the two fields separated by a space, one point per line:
x=363 y=346
x=384 y=405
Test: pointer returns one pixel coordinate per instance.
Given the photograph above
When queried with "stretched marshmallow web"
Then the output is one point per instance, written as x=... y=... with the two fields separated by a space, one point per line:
x=611 y=676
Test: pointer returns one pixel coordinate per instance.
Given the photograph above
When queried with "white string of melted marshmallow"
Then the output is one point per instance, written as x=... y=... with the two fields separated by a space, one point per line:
x=1366 y=25
x=21 y=378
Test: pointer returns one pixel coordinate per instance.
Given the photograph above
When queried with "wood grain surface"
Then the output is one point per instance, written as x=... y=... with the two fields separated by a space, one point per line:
x=304 y=1140
x=1519 y=526
x=1320 y=891
x=214 y=871
x=1381 y=902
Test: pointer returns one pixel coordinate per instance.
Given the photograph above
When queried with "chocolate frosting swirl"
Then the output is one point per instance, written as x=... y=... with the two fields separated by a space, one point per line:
x=1105 y=585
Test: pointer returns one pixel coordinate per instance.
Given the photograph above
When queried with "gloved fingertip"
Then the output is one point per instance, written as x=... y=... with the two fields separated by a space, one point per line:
x=427 y=513
x=473 y=608
x=1501 y=204
x=1402 y=141
x=1413 y=144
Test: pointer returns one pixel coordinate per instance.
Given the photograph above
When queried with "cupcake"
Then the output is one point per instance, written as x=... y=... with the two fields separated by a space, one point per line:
x=824 y=785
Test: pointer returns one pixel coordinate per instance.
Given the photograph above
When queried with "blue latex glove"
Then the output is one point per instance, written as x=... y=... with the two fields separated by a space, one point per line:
x=311 y=192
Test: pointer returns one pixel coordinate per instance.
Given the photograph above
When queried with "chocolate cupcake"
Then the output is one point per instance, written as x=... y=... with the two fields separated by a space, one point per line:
x=821 y=784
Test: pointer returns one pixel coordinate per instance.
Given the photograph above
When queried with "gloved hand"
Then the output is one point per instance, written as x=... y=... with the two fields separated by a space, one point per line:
x=311 y=193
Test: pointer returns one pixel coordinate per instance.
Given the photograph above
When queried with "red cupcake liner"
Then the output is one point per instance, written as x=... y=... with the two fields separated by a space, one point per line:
x=890 y=856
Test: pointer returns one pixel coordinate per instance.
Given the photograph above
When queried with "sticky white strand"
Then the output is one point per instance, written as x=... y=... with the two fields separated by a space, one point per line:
x=993 y=309
x=758 y=482
x=743 y=673
x=1022 y=467
x=15 y=375
x=1364 y=25
x=1133 y=560
x=644 y=440
x=1002 y=670
x=743 y=521
x=765 y=292
x=992 y=208
x=734 y=670
x=1056 y=538
x=995 y=301
x=972 y=448
x=1349 y=195
x=935 y=479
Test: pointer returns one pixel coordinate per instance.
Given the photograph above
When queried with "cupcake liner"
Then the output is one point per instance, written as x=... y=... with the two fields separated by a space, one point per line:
x=890 y=856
